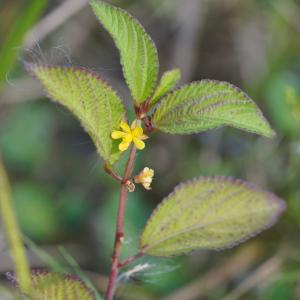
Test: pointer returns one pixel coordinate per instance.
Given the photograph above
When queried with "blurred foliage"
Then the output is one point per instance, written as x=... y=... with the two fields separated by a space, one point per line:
x=32 y=200
x=61 y=192
x=278 y=291
x=28 y=13
x=33 y=149
x=283 y=95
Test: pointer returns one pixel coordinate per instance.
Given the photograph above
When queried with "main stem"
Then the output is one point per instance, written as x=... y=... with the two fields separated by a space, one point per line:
x=119 y=228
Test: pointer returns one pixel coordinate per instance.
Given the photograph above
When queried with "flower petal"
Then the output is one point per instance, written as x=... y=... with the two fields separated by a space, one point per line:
x=127 y=138
x=147 y=180
x=147 y=186
x=117 y=134
x=137 y=132
x=124 y=146
x=125 y=127
x=138 y=143
x=143 y=137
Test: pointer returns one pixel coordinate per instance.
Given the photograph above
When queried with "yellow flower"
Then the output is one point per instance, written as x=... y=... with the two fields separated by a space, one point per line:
x=145 y=178
x=134 y=134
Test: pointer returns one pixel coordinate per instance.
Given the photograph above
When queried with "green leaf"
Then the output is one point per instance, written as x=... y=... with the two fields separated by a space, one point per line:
x=209 y=104
x=167 y=83
x=57 y=286
x=209 y=213
x=91 y=100
x=138 y=52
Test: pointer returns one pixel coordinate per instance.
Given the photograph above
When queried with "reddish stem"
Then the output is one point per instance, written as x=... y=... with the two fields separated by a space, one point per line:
x=129 y=260
x=112 y=173
x=119 y=230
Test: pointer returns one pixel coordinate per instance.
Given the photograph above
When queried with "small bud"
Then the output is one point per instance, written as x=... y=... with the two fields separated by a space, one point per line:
x=145 y=178
x=130 y=186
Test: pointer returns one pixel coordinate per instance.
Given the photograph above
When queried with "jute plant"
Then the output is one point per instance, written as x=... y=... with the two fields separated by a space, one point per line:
x=202 y=213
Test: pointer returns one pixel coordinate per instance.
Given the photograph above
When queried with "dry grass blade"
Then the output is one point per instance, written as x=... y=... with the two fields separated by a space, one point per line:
x=233 y=266
x=262 y=274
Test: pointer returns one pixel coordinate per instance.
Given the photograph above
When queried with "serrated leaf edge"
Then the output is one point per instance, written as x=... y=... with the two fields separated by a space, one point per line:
x=228 y=179
x=30 y=67
x=11 y=276
x=135 y=20
x=248 y=99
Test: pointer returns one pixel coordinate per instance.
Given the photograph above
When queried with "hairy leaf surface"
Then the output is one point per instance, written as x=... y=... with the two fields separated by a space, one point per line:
x=209 y=104
x=209 y=213
x=166 y=84
x=138 y=52
x=91 y=100
x=57 y=286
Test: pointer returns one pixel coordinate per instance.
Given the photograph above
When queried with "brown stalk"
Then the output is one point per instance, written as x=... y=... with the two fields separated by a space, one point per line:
x=119 y=228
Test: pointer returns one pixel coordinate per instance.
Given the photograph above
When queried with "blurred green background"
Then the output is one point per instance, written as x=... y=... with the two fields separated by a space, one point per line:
x=62 y=196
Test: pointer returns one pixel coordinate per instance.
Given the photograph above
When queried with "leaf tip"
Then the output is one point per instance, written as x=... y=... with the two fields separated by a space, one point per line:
x=281 y=206
x=272 y=134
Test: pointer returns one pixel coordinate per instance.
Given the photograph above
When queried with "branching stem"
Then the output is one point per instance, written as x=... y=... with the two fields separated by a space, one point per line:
x=119 y=229
x=129 y=260
x=108 y=170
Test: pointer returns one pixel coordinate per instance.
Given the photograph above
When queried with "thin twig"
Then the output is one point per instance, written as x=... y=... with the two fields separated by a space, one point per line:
x=130 y=260
x=119 y=230
x=109 y=170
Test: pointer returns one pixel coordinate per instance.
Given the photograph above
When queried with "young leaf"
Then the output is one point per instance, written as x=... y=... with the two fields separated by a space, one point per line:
x=209 y=104
x=57 y=286
x=167 y=83
x=90 y=98
x=138 y=52
x=209 y=213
